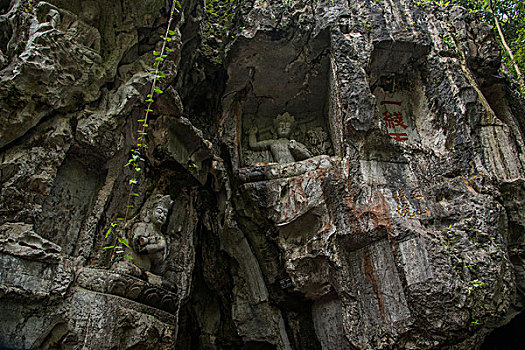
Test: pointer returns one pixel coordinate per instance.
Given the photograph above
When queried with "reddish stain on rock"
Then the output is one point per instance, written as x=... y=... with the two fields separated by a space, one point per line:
x=368 y=268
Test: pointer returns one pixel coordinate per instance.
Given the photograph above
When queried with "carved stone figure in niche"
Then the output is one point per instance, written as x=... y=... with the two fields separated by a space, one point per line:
x=146 y=237
x=283 y=150
x=319 y=141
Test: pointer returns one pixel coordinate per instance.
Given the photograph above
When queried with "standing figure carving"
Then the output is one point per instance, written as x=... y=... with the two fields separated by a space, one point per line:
x=147 y=239
x=283 y=149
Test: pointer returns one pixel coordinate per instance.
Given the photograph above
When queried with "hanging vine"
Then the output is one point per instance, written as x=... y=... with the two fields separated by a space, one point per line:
x=116 y=231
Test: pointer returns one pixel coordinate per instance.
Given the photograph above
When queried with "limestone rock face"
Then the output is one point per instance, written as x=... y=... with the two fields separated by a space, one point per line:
x=403 y=230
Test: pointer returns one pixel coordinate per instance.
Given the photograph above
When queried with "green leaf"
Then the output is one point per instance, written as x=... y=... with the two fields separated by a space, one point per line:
x=164 y=56
x=148 y=110
x=162 y=75
x=158 y=91
x=127 y=256
x=168 y=49
x=159 y=59
x=150 y=100
x=108 y=247
x=133 y=181
x=135 y=194
x=156 y=53
x=177 y=3
x=171 y=32
x=108 y=233
x=120 y=219
x=123 y=241
x=145 y=125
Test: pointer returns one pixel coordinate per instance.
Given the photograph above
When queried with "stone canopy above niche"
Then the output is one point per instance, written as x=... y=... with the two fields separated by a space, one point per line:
x=390 y=57
x=273 y=78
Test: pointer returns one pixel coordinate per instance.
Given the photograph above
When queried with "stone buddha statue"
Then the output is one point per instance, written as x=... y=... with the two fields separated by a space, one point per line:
x=146 y=236
x=283 y=149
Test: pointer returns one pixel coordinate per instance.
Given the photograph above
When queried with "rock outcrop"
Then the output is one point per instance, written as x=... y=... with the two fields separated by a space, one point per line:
x=386 y=214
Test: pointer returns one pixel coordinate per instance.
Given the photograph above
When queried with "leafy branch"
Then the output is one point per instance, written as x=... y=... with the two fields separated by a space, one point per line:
x=507 y=48
x=507 y=19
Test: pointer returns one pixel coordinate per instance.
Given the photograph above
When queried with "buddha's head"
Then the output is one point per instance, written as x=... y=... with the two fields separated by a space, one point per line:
x=284 y=124
x=158 y=209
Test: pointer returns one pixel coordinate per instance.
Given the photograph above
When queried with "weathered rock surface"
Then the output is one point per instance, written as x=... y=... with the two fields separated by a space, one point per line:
x=404 y=230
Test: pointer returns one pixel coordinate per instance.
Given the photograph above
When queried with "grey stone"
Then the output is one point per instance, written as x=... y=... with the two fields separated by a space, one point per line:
x=398 y=225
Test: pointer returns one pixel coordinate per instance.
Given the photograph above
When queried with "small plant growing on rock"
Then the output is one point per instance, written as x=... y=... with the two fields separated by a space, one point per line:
x=447 y=39
x=474 y=284
x=450 y=236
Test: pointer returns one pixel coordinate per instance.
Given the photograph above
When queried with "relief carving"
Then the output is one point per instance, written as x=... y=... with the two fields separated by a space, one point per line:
x=319 y=141
x=283 y=149
x=147 y=239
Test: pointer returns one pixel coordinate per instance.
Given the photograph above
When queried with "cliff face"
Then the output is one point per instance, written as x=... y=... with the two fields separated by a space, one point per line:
x=319 y=175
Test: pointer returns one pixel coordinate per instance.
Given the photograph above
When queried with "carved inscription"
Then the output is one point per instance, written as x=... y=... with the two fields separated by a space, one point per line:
x=411 y=204
x=394 y=120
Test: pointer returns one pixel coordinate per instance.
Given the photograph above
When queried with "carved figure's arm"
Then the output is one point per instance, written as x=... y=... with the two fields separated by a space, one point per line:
x=257 y=145
x=299 y=151
x=156 y=247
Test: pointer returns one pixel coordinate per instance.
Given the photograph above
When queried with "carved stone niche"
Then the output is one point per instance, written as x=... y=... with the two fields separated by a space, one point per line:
x=149 y=244
x=395 y=81
x=280 y=102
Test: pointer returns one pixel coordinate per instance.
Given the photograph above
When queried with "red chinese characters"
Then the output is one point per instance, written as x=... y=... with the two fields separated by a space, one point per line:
x=393 y=121
x=398 y=136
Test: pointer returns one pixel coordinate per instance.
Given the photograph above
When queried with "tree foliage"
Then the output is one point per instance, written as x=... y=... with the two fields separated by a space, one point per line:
x=509 y=16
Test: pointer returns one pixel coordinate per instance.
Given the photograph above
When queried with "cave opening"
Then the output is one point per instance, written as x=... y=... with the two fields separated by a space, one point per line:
x=507 y=337
x=4 y=6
